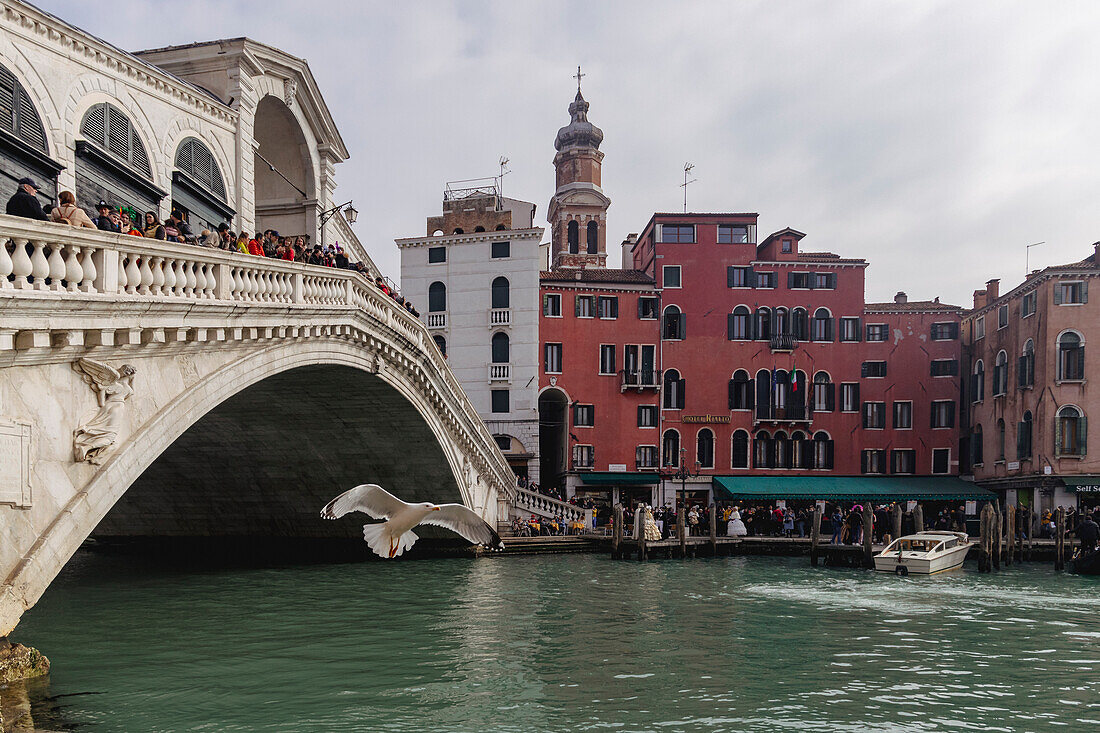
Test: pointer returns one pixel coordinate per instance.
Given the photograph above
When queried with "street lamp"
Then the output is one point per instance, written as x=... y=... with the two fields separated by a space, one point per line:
x=682 y=474
x=350 y=215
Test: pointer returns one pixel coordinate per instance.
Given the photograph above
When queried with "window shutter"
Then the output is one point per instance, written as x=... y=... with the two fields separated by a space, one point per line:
x=732 y=393
x=859 y=328
x=640 y=302
x=950 y=414
x=863 y=461
x=864 y=369
x=1058 y=436
x=829 y=329
x=577 y=306
x=683 y=325
x=750 y=277
x=730 y=321
x=729 y=276
x=1021 y=372
x=683 y=393
x=1020 y=428
x=1082 y=435
x=830 y=396
x=832 y=281
x=790 y=280
x=811 y=280
x=932 y=416
x=614 y=307
x=1057 y=293
x=828 y=454
x=1085 y=291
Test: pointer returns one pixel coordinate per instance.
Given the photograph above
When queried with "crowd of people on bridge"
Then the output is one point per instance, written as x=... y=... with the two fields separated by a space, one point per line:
x=125 y=220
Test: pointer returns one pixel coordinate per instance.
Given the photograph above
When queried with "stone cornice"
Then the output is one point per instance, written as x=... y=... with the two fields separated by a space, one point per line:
x=494 y=236
x=1032 y=283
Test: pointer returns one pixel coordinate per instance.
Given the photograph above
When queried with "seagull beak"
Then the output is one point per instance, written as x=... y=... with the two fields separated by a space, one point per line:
x=435 y=509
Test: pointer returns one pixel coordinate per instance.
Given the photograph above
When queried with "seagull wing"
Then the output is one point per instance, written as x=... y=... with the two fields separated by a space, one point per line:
x=458 y=518
x=370 y=499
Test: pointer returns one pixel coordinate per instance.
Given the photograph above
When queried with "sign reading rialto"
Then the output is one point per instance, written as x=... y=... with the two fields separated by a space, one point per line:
x=706 y=419
x=15 y=464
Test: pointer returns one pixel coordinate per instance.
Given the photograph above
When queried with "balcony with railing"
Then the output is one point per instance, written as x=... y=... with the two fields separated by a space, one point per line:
x=639 y=380
x=790 y=410
x=500 y=317
x=500 y=373
x=783 y=342
x=437 y=320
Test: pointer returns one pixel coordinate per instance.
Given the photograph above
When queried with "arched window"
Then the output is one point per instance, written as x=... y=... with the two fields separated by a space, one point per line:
x=675 y=325
x=740 y=457
x=437 y=297
x=764 y=395
x=800 y=455
x=1025 y=370
x=823 y=451
x=501 y=228
x=977 y=447
x=17 y=113
x=670 y=449
x=1070 y=437
x=824 y=398
x=673 y=390
x=782 y=450
x=740 y=391
x=458 y=231
x=977 y=382
x=195 y=160
x=762 y=324
x=441 y=343
x=500 y=292
x=1071 y=357
x=1000 y=439
x=704 y=448
x=737 y=324
x=781 y=392
x=573 y=236
x=1023 y=437
x=593 y=238
x=822 y=327
x=1000 y=374
x=500 y=348
x=800 y=328
x=762 y=450
x=781 y=322
x=110 y=130
x=479 y=228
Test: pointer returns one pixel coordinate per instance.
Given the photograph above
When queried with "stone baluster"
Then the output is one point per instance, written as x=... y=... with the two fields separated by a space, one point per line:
x=57 y=266
x=181 y=278
x=189 y=279
x=254 y=285
x=169 y=287
x=234 y=283
x=121 y=272
x=265 y=286
x=157 y=286
x=74 y=273
x=6 y=265
x=133 y=275
x=200 y=280
x=307 y=289
x=145 y=275
x=246 y=285
x=211 y=282
x=87 y=265
x=40 y=268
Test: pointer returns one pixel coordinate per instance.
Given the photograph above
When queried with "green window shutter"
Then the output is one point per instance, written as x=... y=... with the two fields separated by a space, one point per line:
x=1058 y=436
x=1085 y=291
x=1082 y=435
x=1057 y=293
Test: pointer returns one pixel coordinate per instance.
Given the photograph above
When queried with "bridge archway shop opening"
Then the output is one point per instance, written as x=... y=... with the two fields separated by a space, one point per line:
x=553 y=438
x=286 y=198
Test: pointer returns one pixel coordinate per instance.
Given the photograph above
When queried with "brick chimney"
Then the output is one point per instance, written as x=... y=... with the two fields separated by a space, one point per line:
x=980 y=299
x=1096 y=253
x=993 y=290
x=900 y=297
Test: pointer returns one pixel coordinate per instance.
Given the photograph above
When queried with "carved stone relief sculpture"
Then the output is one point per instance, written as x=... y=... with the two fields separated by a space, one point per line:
x=112 y=388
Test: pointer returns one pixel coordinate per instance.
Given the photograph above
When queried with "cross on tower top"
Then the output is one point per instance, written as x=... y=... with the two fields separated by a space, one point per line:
x=578 y=77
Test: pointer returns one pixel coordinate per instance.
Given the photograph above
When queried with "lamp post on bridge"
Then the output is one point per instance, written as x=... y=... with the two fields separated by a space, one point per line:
x=350 y=214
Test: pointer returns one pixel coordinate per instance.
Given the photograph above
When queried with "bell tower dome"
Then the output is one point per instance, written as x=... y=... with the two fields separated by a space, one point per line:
x=578 y=210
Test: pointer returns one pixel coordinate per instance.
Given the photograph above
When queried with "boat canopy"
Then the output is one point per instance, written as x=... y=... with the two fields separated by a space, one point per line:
x=853 y=488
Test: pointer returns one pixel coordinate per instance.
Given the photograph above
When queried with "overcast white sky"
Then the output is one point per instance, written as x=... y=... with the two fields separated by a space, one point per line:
x=936 y=139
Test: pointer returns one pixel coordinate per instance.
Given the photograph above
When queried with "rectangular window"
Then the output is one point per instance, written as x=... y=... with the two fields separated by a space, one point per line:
x=904 y=460
x=584 y=416
x=500 y=250
x=607 y=358
x=1027 y=305
x=499 y=398
x=785 y=246
x=945 y=367
x=849 y=397
x=873 y=369
x=552 y=360
x=877 y=332
x=647 y=309
x=798 y=280
x=941 y=460
x=584 y=306
x=823 y=396
x=738 y=277
x=945 y=331
x=1071 y=293
x=551 y=305
x=437 y=254
x=1002 y=317
x=733 y=233
x=979 y=328
x=584 y=456
x=608 y=306
x=824 y=281
x=670 y=276
x=943 y=414
x=903 y=415
x=874 y=415
x=645 y=456
x=677 y=233
x=647 y=416
x=849 y=329
x=765 y=280
x=873 y=461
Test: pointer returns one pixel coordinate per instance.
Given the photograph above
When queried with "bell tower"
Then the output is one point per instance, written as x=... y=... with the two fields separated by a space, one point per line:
x=578 y=210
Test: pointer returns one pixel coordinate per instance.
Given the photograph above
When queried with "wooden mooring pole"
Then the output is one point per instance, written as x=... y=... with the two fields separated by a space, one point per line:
x=895 y=523
x=996 y=535
x=1030 y=532
x=918 y=518
x=617 y=533
x=1010 y=530
x=1060 y=539
x=681 y=530
x=984 y=540
x=815 y=535
x=639 y=530
x=714 y=530
x=868 y=534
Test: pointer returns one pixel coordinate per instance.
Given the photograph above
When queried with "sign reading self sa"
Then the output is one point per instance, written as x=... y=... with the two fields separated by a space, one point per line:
x=1088 y=489
x=15 y=464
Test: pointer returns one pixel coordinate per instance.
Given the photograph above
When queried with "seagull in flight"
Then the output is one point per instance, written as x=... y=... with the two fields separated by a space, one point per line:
x=391 y=538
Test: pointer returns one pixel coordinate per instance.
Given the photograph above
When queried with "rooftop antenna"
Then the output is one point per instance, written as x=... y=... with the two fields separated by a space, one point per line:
x=1027 y=258
x=687 y=170
x=503 y=172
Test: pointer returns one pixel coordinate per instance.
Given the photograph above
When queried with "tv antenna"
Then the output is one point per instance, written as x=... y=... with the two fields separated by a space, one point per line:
x=1027 y=258
x=503 y=172
x=687 y=171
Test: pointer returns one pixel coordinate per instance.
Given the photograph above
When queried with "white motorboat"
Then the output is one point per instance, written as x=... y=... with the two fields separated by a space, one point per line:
x=924 y=553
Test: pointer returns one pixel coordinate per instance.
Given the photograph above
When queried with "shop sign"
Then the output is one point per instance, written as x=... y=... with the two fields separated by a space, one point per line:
x=706 y=419
x=1088 y=489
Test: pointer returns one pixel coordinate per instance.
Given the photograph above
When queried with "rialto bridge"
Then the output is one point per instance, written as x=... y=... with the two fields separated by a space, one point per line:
x=158 y=389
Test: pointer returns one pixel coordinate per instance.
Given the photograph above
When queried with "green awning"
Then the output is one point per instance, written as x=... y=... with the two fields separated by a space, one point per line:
x=844 y=488
x=1083 y=484
x=612 y=478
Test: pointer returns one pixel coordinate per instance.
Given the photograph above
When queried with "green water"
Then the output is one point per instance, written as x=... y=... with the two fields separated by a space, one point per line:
x=564 y=643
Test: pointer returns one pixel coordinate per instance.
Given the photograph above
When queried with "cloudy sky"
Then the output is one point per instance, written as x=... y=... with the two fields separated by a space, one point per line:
x=936 y=139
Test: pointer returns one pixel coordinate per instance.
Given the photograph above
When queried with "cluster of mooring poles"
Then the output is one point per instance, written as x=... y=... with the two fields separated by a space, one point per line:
x=623 y=545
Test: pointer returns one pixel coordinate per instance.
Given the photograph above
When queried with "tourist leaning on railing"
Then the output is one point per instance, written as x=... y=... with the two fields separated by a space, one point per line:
x=25 y=201
x=69 y=213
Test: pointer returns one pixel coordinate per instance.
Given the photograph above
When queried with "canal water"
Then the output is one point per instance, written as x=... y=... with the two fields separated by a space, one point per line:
x=563 y=643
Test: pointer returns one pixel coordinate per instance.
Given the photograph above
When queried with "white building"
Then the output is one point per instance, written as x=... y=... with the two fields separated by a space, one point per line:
x=475 y=277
